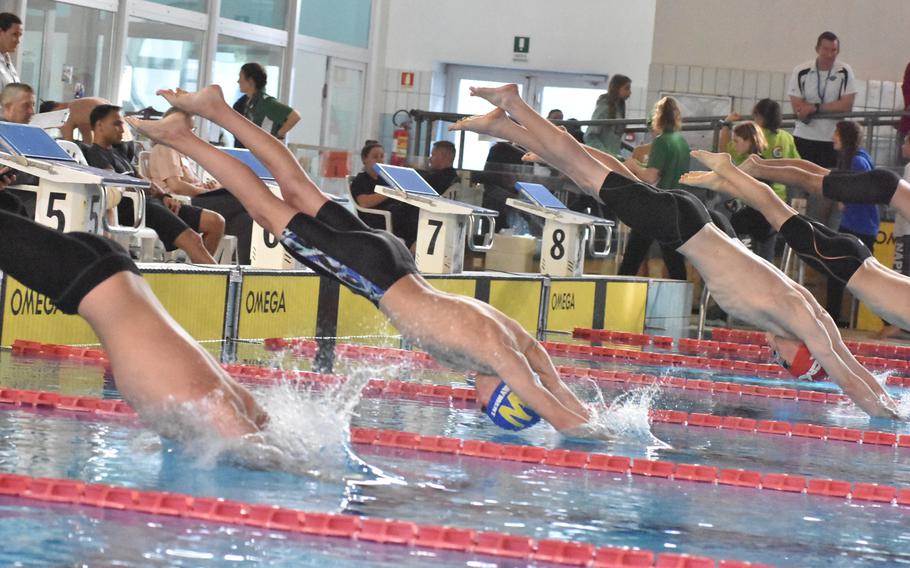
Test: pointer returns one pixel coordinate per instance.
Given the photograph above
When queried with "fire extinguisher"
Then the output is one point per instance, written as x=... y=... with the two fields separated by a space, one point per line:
x=401 y=137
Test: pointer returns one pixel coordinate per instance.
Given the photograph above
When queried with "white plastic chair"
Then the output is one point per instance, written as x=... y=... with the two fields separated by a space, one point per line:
x=74 y=151
x=386 y=215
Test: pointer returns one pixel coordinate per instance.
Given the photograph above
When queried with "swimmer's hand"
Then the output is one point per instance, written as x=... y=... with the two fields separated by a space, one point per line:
x=530 y=157
x=588 y=431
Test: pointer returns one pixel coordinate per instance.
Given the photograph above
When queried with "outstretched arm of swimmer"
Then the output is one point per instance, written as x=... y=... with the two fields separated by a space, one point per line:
x=541 y=364
x=513 y=368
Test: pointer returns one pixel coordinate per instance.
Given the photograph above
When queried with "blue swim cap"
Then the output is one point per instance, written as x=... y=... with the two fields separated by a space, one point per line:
x=507 y=411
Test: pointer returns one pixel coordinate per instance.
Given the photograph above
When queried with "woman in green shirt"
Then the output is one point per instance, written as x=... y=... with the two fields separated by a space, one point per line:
x=611 y=104
x=261 y=109
x=669 y=159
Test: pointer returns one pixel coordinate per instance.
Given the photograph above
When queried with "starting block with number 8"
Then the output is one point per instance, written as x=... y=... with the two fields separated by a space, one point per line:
x=71 y=196
x=565 y=232
x=443 y=223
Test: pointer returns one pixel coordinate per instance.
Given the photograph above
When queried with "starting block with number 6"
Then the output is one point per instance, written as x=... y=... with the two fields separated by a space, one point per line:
x=443 y=223
x=71 y=196
x=565 y=232
x=266 y=250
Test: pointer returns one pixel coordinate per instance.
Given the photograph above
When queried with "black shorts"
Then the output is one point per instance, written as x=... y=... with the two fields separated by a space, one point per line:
x=670 y=216
x=65 y=267
x=340 y=246
x=164 y=222
x=872 y=187
x=837 y=254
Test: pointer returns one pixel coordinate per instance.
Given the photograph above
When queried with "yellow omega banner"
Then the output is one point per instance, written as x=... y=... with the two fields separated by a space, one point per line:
x=278 y=305
x=358 y=316
x=31 y=316
x=518 y=299
x=196 y=301
x=625 y=306
x=884 y=253
x=570 y=305
x=461 y=286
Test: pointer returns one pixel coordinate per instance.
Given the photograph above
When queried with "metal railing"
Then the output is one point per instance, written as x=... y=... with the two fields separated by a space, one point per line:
x=425 y=122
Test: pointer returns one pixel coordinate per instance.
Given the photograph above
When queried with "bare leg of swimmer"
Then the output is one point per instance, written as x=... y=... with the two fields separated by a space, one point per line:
x=789 y=175
x=787 y=162
x=171 y=367
x=553 y=145
x=266 y=209
x=296 y=187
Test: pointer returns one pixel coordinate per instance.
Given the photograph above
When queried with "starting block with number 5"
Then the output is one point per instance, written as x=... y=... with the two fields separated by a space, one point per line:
x=443 y=223
x=71 y=196
x=565 y=232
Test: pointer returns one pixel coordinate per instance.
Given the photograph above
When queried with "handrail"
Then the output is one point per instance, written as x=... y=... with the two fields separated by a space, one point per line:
x=690 y=124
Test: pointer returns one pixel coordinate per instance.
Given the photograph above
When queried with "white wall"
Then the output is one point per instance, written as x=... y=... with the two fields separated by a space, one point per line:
x=576 y=36
x=776 y=35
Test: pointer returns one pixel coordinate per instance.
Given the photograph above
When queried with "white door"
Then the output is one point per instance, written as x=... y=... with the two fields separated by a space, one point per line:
x=344 y=104
x=309 y=88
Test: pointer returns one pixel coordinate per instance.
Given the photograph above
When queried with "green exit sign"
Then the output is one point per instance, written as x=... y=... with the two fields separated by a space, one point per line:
x=521 y=44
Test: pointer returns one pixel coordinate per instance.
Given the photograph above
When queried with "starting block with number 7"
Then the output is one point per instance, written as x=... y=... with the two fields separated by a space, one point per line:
x=443 y=223
x=71 y=196
x=565 y=232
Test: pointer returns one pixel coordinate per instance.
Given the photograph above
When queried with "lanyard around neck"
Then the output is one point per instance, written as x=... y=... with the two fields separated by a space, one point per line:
x=818 y=84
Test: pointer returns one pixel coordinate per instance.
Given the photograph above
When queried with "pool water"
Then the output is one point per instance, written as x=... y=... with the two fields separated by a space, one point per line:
x=539 y=501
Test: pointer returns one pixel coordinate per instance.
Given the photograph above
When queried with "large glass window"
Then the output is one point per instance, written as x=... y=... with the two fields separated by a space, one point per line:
x=195 y=5
x=158 y=56
x=345 y=104
x=271 y=13
x=66 y=50
x=344 y=21
x=232 y=54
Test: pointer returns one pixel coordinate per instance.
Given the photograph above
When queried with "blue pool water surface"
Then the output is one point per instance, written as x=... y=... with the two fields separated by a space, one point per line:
x=535 y=500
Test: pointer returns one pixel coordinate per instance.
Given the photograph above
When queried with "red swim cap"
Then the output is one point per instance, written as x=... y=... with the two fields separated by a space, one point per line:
x=805 y=367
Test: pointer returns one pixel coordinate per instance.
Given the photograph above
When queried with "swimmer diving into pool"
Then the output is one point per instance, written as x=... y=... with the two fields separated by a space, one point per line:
x=877 y=186
x=515 y=379
x=741 y=283
x=841 y=256
x=158 y=368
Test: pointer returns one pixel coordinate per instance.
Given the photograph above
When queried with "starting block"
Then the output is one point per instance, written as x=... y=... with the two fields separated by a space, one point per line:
x=443 y=223
x=565 y=232
x=71 y=196
x=265 y=248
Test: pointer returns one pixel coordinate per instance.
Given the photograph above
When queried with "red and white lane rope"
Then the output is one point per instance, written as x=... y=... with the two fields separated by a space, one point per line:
x=575 y=459
x=383 y=531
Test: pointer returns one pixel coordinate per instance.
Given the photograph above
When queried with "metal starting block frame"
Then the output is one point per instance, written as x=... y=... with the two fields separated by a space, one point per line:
x=443 y=223
x=565 y=232
x=71 y=196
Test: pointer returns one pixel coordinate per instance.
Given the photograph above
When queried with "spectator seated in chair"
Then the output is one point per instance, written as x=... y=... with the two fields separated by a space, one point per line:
x=178 y=226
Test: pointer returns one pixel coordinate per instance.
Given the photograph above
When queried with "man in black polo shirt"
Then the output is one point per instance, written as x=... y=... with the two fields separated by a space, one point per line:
x=441 y=174
x=178 y=226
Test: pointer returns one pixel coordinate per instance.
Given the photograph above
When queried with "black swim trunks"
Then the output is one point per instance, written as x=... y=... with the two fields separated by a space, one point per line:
x=837 y=254
x=340 y=246
x=874 y=186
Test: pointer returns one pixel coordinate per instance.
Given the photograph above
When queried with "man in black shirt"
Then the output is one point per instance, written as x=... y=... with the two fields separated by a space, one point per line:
x=178 y=226
x=441 y=174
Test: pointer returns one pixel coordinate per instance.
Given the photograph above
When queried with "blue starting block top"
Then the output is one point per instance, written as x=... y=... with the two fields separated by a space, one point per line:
x=34 y=143
x=250 y=160
x=405 y=179
x=539 y=195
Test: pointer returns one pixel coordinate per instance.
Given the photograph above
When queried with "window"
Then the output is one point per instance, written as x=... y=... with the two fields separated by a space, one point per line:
x=194 y=5
x=66 y=50
x=344 y=21
x=270 y=13
x=158 y=56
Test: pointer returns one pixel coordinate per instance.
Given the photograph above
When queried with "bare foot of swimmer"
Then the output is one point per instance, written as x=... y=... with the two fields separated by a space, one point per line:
x=164 y=130
x=491 y=123
x=204 y=102
x=709 y=180
x=751 y=164
x=717 y=161
x=498 y=96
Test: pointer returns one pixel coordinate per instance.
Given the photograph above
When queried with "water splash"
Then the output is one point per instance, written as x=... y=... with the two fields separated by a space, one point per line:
x=308 y=432
x=626 y=418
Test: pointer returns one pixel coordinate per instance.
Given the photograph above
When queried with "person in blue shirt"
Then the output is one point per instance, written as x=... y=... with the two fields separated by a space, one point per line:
x=858 y=219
